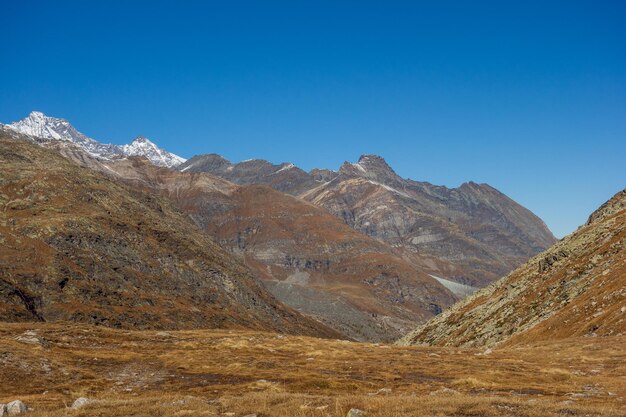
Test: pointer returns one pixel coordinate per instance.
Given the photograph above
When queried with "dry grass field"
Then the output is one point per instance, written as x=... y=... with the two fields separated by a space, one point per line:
x=237 y=373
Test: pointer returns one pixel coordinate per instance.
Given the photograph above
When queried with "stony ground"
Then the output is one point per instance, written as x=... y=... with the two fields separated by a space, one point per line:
x=237 y=373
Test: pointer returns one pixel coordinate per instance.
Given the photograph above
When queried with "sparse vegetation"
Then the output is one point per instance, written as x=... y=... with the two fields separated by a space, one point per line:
x=217 y=372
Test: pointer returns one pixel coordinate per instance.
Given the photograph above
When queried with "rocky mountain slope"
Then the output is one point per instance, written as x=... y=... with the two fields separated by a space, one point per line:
x=41 y=126
x=307 y=258
x=75 y=245
x=472 y=234
x=575 y=288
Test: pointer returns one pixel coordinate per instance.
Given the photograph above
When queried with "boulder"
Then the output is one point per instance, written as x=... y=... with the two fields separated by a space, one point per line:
x=80 y=402
x=3 y=409
x=16 y=407
x=355 y=412
x=32 y=338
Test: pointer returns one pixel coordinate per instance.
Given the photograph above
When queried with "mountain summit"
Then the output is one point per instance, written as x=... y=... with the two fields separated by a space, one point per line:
x=142 y=146
x=45 y=127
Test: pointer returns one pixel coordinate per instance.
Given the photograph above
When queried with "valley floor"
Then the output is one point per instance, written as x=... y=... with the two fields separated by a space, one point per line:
x=236 y=373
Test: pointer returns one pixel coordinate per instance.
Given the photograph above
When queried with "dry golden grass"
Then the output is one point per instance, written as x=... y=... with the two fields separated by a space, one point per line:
x=213 y=372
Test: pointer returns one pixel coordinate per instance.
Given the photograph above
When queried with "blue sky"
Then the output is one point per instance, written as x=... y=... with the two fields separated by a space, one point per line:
x=529 y=97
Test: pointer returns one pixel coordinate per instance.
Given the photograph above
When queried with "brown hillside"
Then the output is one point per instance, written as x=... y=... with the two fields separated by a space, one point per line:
x=576 y=288
x=75 y=245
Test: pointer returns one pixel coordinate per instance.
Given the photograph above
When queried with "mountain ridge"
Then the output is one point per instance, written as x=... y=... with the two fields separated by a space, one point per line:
x=471 y=234
x=38 y=125
x=494 y=232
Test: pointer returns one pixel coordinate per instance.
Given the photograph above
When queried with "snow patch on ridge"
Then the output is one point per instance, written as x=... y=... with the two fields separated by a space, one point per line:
x=285 y=168
x=359 y=167
x=456 y=288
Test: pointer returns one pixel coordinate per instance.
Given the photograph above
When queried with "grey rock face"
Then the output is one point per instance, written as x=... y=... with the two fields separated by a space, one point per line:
x=32 y=338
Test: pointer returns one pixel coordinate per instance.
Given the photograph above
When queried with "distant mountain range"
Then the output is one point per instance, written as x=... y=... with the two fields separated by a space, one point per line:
x=361 y=251
x=472 y=234
x=305 y=256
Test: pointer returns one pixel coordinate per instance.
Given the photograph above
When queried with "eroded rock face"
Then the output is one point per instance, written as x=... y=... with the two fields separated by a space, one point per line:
x=78 y=246
x=579 y=289
x=472 y=234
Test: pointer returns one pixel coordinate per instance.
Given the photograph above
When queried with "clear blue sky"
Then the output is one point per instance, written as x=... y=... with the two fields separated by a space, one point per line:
x=527 y=96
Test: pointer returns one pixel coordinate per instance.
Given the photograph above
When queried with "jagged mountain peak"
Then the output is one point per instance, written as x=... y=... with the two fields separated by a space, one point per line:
x=372 y=167
x=376 y=163
x=142 y=146
x=142 y=139
x=37 y=115
x=39 y=125
x=366 y=158
x=48 y=128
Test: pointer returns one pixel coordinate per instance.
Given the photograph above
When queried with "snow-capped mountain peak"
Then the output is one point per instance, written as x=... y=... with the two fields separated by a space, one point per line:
x=39 y=125
x=48 y=128
x=142 y=146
